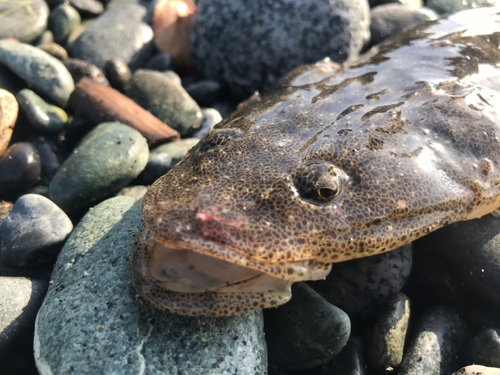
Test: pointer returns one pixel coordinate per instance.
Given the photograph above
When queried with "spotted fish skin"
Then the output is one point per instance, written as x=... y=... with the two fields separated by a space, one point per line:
x=338 y=162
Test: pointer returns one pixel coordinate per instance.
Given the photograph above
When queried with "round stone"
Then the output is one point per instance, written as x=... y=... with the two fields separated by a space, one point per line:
x=54 y=50
x=24 y=20
x=48 y=158
x=118 y=74
x=41 y=115
x=8 y=116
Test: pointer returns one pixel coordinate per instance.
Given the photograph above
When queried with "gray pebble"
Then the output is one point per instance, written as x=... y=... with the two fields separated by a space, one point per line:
x=205 y=92
x=23 y=20
x=118 y=73
x=33 y=232
x=42 y=116
x=48 y=158
x=161 y=62
x=484 y=348
x=63 y=19
x=87 y=7
x=54 y=50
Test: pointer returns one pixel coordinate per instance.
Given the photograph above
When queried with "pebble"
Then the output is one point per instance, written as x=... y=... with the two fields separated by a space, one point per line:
x=24 y=20
x=33 y=232
x=5 y=208
x=79 y=69
x=484 y=348
x=161 y=62
x=79 y=126
x=211 y=117
x=87 y=7
x=385 y=348
x=48 y=158
x=452 y=6
x=163 y=95
x=278 y=37
x=9 y=81
x=20 y=169
x=18 y=309
x=62 y=20
x=8 y=116
x=46 y=38
x=362 y=286
x=54 y=50
x=93 y=305
x=107 y=159
x=350 y=360
x=305 y=332
x=118 y=33
x=205 y=92
x=44 y=73
x=42 y=116
x=118 y=74
x=477 y=370
x=439 y=337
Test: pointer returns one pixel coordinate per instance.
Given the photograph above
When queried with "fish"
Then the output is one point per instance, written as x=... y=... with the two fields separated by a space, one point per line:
x=335 y=162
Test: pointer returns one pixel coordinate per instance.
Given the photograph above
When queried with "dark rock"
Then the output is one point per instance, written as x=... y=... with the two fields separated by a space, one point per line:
x=118 y=74
x=48 y=158
x=79 y=126
x=205 y=93
x=79 y=69
x=161 y=62
x=23 y=20
x=350 y=360
x=86 y=7
x=485 y=348
x=9 y=81
x=63 y=19
x=42 y=116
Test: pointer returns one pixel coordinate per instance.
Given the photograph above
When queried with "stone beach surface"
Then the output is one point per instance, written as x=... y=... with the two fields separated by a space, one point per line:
x=427 y=308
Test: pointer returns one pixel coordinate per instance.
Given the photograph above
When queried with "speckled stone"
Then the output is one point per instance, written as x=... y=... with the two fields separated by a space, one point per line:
x=477 y=370
x=33 y=232
x=79 y=69
x=439 y=337
x=118 y=74
x=24 y=20
x=278 y=37
x=8 y=116
x=44 y=73
x=453 y=6
x=484 y=348
x=93 y=305
x=118 y=33
x=305 y=332
x=163 y=95
x=385 y=349
x=42 y=116
x=211 y=117
x=63 y=19
x=107 y=159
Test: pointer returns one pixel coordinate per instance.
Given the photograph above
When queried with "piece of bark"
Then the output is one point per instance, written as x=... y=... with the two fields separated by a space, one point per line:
x=103 y=104
x=172 y=20
x=8 y=115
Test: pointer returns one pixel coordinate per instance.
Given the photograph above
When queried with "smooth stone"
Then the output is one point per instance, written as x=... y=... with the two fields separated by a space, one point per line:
x=477 y=370
x=484 y=348
x=79 y=69
x=350 y=360
x=118 y=33
x=205 y=92
x=79 y=126
x=42 y=116
x=62 y=20
x=305 y=332
x=44 y=73
x=163 y=95
x=42 y=190
x=118 y=74
x=93 y=305
x=387 y=341
x=452 y=6
x=439 y=338
x=278 y=37
x=362 y=286
x=46 y=38
x=106 y=160
x=75 y=34
x=24 y=20
x=211 y=117
x=33 y=232
x=135 y=192
x=9 y=81
x=20 y=169
x=48 y=158
x=5 y=208
x=161 y=62
x=54 y=50
x=87 y=7
x=8 y=117
x=20 y=299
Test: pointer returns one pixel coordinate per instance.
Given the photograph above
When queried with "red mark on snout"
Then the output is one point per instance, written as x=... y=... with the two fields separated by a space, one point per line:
x=212 y=213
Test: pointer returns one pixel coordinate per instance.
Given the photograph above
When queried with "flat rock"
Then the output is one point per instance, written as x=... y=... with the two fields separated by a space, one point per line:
x=8 y=116
x=42 y=116
x=42 y=72
x=93 y=305
x=23 y=20
x=106 y=160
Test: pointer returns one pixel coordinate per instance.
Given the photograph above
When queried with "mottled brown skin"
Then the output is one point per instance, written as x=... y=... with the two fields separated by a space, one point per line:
x=402 y=144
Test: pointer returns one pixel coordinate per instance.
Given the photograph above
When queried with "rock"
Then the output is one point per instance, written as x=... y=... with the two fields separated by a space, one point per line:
x=118 y=74
x=79 y=69
x=118 y=33
x=93 y=304
x=305 y=332
x=75 y=34
x=484 y=348
x=33 y=232
x=42 y=116
x=211 y=117
x=477 y=370
x=54 y=50
x=135 y=192
x=9 y=81
x=5 y=208
x=87 y=7
x=44 y=73
x=63 y=19
x=278 y=37
x=362 y=286
x=8 y=116
x=79 y=126
x=20 y=299
x=46 y=38
x=107 y=159
x=452 y=6
x=415 y=4
x=387 y=341
x=439 y=338
x=20 y=169
x=48 y=158
x=350 y=360
x=23 y=20
x=389 y=20
x=205 y=92
x=163 y=95
x=162 y=62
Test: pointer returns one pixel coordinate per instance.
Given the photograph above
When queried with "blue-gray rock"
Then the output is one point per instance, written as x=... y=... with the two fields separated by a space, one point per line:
x=9 y=81
x=54 y=50
x=79 y=69
x=163 y=95
x=278 y=37
x=62 y=20
x=305 y=332
x=42 y=72
x=33 y=232
x=20 y=299
x=42 y=116
x=484 y=348
x=93 y=305
x=76 y=33
x=161 y=62
x=118 y=33
x=211 y=117
x=439 y=338
x=23 y=20
x=477 y=370
x=20 y=169
x=48 y=158
x=107 y=159
x=453 y=6
x=362 y=286
x=118 y=74
x=389 y=20
x=87 y=7
x=350 y=360
x=205 y=92
x=385 y=349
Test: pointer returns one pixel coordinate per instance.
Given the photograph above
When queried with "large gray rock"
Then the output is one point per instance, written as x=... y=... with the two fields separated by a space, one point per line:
x=92 y=322
x=23 y=20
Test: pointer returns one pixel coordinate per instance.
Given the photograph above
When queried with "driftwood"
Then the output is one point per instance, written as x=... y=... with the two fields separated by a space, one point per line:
x=102 y=104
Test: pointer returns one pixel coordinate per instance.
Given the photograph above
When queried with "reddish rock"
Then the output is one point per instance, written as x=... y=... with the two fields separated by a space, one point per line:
x=8 y=116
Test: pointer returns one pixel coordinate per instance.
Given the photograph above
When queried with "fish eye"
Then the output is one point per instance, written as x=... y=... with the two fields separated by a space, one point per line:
x=328 y=193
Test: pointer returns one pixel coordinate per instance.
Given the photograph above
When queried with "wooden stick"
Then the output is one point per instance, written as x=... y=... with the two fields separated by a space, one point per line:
x=103 y=104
